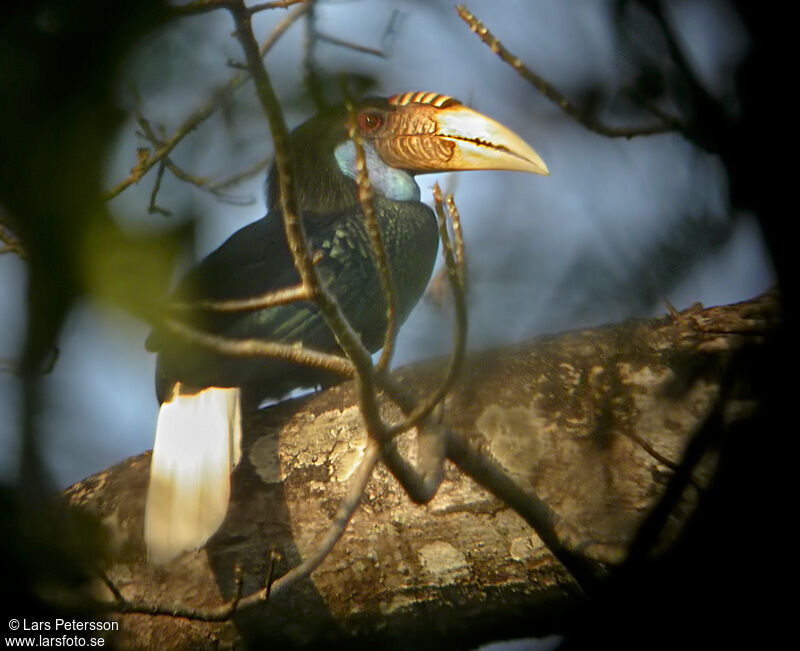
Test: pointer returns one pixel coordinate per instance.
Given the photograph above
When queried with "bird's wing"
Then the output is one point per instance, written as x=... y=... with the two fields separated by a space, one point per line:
x=252 y=261
x=345 y=267
x=256 y=260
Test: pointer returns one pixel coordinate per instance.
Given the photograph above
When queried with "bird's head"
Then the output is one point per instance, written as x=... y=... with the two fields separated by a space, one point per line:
x=403 y=135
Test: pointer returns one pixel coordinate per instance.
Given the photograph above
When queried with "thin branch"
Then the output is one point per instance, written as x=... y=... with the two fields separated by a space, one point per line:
x=701 y=442
x=221 y=613
x=298 y=246
x=331 y=311
x=276 y=4
x=238 y=177
x=313 y=79
x=270 y=299
x=391 y=31
x=295 y=353
x=710 y=125
x=458 y=238
x=420 y=482
x=152 y=207
x=207 y=185
x=332 y=40
x=432 y=441
x=455 y=274
x=201 y=114
x=311 y=76
x=167 y=163
x=12 y=243
x=549 y=91
x=327 y=305
x=365 y=198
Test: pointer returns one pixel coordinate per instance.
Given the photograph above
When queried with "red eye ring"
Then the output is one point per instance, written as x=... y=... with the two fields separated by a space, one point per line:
x=369 y=121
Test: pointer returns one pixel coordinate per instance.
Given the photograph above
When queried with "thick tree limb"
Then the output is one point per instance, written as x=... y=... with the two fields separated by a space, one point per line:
x=565 y=417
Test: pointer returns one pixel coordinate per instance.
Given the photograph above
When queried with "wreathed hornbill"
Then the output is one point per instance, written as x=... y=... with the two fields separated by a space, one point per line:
x=198 y=430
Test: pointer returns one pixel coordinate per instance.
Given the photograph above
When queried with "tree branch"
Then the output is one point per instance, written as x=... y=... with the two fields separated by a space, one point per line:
x=522 y=424
x=666 y=124
x=12 y=243
x=295 y=353
x=378 y=250
x=454 y=262
x=204 y=112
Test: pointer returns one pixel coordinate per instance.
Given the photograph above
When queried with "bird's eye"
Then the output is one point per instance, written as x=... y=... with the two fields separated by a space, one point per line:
x=369 y=121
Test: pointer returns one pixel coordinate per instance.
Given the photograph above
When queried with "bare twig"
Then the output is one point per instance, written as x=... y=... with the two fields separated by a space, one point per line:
x=295 y=353
x=312 y=36
x=238 y=177
x=201 y=114
x=666 y=124
x=332 y=40
x=458 y=238
x=152 y=206
x=455 y=274
x=677 y=54
x=270 y=299
x=311 y=76
x=422 y=481
x=207 y=185
x=221 y=613
x=331 y=311
x=703 y=440
x=329 y=308
x=327 y=305
x=710 y=125
x=275 y=4
x=167 y=163
x=365 y=198
x=391 y=31
x=12 y=243
x=274 y=557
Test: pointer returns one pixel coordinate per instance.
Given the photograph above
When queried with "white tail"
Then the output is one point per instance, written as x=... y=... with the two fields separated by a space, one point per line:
x=197 y=445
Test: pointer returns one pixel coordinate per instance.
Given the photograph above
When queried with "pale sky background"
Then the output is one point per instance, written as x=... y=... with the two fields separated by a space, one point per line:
x=582 y=247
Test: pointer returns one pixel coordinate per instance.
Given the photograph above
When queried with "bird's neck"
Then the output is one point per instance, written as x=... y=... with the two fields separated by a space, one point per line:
x=327 y=183
x=387 y=182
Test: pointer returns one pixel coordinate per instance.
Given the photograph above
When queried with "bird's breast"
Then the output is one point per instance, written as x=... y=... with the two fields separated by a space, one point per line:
x=349 y=270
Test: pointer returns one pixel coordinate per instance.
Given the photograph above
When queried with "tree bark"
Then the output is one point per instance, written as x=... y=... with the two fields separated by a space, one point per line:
x=594 y=423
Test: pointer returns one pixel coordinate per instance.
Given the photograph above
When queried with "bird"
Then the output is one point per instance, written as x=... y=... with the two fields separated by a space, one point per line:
x=202 y=392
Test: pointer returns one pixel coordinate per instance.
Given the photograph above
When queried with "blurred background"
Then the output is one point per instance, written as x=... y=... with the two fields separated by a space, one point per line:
x=620 y=226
